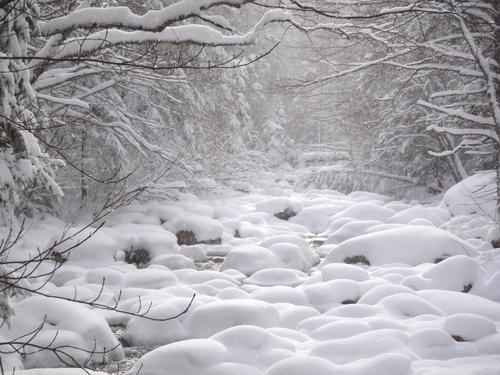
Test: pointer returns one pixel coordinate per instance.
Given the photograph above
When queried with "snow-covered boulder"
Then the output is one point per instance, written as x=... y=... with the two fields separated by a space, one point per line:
x=149 y=333
x=411 y=245
x=250 y=259
x=309 y=257
x=194 y=229
x=282 y=208
x=316 y=218
x=283 y=251
x=173 y=261
x=85 y=246
x=434 y=215
x=217 y=316
x=276 y=276
x=336 y=271
x=67 y=325
x=474 y=195
x=458 y=273
x=366 y=211
x=195 y=252
x=469 y=327
x=254 y=346
x=191 y=357
x=349 y=230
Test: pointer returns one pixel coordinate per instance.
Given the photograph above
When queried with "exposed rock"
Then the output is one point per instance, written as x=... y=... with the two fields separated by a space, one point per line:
x=467 y=288
x=441 y=258
x=495 y=243
x=187 y=237
x=357 y=259
x=458 y=338
x=139 y=257
x=285 y=215
x=350 y=301
x=317 y=242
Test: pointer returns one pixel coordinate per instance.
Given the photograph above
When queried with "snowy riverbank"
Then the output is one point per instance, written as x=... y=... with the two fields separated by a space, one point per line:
x=388 y=292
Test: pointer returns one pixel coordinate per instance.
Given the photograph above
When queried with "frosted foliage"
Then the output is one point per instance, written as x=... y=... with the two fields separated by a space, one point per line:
x=21 y=159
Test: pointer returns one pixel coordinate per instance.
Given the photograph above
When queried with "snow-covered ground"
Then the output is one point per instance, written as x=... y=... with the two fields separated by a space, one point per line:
x=285 y=283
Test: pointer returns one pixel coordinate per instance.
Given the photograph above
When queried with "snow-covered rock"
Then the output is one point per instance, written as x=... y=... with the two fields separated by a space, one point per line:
x=77 y=330
x=230 y=313
x=195 y=229
x=411 y=245
x=282 y=208
x=474 y=195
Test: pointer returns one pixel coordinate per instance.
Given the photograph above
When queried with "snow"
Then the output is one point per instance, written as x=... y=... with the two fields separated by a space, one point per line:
x=434 y=215
x=277 y=276
x=150 y=333
x=470 y=327
x=366 y=211
x=230 y=313
x=400 y=245
x=474 y=195
x=282 y=251
x=349 y=230
x=66 y=324
x=274 y=206
x=197 y=253
x=174 y=261
x=451 y=274
x=203 y=227
x=268 y=302
x=337 y=271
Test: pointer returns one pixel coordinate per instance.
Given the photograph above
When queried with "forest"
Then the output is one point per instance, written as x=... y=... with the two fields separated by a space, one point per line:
x=271 y=187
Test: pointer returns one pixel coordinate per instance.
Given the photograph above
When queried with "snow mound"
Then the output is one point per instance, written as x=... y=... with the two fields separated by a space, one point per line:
x=465 y=366
x=151 y=278
x=459 y=273
x=474 y=195
x=204 y=229
x=410 y=245
x=173 y=261
x=366 y=211
x=195 y=252
x=254 y=346
x=148 y=333
x=182 y=358
x=455 y=303
x=277 y=252
x=336 y=271
x=85 y=246
x=326 y=295
x=350 y=230
x=365 y=345
x=67 y=325
x=434 y=215
x=316 y=219
x=281 y=294
x=250 y=259
x=277 y=276
x=230 y=313
x=303 y=365
x=282 y=208
x=309 y=257
x=469 y=327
